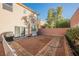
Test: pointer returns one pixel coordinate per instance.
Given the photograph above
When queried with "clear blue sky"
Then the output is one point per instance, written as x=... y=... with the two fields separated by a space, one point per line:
x=42 y=8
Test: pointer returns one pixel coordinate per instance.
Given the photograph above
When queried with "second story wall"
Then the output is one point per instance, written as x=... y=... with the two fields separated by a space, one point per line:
x=10 y=19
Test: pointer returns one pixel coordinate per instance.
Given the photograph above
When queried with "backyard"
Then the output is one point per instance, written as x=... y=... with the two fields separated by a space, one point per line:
x=42 y=45
x=58 y=36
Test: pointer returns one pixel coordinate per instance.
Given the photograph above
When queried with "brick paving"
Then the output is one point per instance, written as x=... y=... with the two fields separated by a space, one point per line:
x=2 y=53
x=33 y=44
x=60 y=51
x=42 y=45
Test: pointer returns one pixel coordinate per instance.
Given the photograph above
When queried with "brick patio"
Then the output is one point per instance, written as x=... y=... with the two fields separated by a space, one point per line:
x=42 y=45
x=2 y=53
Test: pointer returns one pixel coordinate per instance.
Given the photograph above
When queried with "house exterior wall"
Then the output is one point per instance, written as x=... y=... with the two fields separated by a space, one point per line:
x=75 y=19
x=8 y=20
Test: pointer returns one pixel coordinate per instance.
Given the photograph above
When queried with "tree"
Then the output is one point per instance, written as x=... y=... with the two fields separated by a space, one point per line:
x=59 y=16
x=50 y=18
x=56 y=19
x=50 y=15
x=59 y=11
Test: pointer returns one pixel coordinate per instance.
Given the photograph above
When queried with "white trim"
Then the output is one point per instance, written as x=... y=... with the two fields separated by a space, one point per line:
x=8 y=50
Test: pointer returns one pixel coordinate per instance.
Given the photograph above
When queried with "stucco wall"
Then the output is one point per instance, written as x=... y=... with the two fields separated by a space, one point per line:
x=8 y=20
x=53 y=31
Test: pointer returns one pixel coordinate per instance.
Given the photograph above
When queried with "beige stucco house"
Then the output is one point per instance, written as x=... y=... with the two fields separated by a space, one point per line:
x=17 y=18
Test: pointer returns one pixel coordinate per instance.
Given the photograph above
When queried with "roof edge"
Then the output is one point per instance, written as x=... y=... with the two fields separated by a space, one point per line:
x=74 y=13
x=20 y=4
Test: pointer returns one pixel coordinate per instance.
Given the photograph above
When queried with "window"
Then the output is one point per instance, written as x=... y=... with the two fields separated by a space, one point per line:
x=22 y=31
x=19 y=31
x=34 y=32
x=25 y=11
x=33 y=27
x=7 y=6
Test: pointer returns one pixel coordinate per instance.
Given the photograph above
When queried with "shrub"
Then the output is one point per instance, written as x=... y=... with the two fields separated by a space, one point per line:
x=62 y=24
x=73 y=38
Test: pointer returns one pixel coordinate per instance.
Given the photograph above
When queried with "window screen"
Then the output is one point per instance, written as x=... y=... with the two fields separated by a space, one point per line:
x=7 y=6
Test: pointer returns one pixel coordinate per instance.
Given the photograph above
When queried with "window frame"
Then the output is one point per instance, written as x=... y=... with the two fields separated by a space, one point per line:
x=7 y=6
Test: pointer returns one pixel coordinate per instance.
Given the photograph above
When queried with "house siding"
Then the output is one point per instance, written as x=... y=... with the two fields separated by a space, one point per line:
x=8 y=20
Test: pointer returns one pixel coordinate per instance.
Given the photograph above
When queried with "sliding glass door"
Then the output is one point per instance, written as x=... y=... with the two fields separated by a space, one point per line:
x=19 y=31
x=22 y=31
x=34 y=32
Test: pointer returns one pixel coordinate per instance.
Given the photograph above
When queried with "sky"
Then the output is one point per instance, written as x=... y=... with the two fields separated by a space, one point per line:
x=42 y=8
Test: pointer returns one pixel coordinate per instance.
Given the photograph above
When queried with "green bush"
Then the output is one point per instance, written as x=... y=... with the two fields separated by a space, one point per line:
x=62 y=24
x=73 y=33
x=73 y=38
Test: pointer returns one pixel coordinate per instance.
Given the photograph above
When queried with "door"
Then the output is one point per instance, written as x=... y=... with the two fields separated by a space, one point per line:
x=26 y=30
x=22 y=31
x=17 y=31
x=34 y=32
